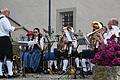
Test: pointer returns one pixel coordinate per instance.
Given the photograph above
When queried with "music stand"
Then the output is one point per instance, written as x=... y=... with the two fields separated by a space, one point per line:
x=83 y=41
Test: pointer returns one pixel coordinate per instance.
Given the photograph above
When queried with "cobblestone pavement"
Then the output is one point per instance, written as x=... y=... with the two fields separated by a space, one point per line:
x=49 y=77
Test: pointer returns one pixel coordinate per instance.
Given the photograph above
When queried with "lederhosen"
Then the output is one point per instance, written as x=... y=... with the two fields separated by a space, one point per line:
x=5 y=47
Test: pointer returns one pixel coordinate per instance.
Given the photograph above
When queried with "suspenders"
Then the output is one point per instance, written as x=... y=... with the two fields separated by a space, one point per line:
x=1 y=17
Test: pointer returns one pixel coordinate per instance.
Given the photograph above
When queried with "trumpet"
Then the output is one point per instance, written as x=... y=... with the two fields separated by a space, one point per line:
x=96 y=35
x=96 y=31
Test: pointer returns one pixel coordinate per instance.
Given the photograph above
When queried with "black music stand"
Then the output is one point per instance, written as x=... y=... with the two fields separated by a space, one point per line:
x=83 y=41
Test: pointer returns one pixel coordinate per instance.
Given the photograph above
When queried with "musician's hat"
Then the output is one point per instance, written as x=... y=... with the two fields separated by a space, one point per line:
x=29 y=33
x=97 y=23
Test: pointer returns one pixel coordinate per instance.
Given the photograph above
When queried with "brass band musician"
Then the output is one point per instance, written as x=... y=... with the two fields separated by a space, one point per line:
x=6 y=52
x=68 y=46
x=96 y=36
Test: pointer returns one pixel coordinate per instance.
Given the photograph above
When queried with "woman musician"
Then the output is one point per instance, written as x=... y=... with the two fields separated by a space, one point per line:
x=32 y=56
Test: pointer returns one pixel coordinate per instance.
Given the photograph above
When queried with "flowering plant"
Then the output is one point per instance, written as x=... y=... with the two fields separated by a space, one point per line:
x=109 y=55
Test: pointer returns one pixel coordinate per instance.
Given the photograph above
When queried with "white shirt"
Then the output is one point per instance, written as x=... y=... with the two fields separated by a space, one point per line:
x=5 y=26
x=115 y=30
x=41 y=42
x=106 y=36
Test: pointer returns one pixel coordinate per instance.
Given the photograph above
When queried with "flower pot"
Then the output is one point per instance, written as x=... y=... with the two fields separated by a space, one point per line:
x=106 y=73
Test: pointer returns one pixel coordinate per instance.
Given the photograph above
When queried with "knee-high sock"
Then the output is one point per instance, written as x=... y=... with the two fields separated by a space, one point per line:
x=65 y=46
x=77 y=62
x=91 y=66
x=83 y=62
x=70 y=50
x=65 y=64
x=1 y=73
x=10 y=67
x=51 y=62
x=55 y=63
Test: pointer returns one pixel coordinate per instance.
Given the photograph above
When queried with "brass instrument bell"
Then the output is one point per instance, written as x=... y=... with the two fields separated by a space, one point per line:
x=72 y=72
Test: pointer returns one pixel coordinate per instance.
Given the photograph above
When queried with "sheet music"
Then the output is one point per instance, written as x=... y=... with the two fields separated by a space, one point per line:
x=67 y=34
x=27 y=42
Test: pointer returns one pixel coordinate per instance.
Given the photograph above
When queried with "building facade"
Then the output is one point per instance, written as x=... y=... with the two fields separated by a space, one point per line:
x=80 y=13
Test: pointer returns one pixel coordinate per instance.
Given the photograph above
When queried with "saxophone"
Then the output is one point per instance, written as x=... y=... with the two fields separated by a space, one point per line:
x=16 y=62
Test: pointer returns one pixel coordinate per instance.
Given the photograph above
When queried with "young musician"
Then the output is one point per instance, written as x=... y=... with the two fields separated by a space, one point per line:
x=71 y=48
x=63 y=52
x=5 y=43
x=33 y=56
x=53 y=61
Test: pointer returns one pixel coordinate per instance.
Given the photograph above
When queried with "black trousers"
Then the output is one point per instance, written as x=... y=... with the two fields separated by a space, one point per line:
x=5 y=48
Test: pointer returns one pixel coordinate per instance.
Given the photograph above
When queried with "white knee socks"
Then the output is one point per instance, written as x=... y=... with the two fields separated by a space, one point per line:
x=83 y=62
x=51 y=62
x=65 y=64
x=70 y=50
x=77 y=62
x=86 y=67
x=10 y=67
x=1 y=73
x=55 y=63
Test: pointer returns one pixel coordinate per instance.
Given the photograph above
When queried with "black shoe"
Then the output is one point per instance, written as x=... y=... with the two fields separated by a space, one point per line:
x=11 y=76
x=62 y=73
x=2 y=77
x=89 y=72
x=46 y=72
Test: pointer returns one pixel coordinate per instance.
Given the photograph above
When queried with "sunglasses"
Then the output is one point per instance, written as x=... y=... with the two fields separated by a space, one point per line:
x=35 y=32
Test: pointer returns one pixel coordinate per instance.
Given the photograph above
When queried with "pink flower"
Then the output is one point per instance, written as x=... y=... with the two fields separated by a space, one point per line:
x=97 y=57
x=112 y=49
x=108 y=54
x=118 y=52
x=113 y=36
x=118 y=45
x=116 y=61
x=106 y=62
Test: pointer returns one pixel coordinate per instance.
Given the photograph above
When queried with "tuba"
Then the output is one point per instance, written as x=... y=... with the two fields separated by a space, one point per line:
x=96 y=34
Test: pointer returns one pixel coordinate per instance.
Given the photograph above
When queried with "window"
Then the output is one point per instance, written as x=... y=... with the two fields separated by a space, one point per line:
x=64 y=17
x=67 y=18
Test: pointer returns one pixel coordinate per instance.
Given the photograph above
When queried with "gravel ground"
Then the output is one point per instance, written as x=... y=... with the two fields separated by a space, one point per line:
x=48 y=77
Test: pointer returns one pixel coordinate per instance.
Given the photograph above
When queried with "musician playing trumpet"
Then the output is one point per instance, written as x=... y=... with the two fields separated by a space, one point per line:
x=96 y=36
